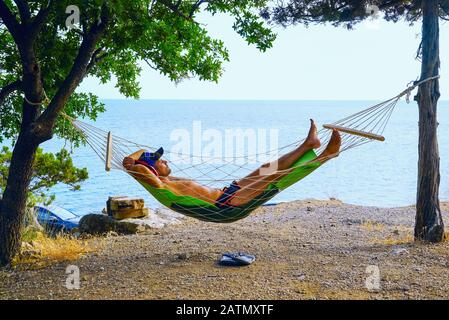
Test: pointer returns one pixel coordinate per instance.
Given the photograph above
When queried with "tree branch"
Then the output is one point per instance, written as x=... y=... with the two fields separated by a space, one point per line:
x=45 y=122
x=39 y=20
x=8 y=89
x=389 y=4
x=24 y=10
x=195 y=6
x=174 y=8
x=149 y=64
x=169 y=4
x=97 y=56
x=10 y=21
x=445 y=8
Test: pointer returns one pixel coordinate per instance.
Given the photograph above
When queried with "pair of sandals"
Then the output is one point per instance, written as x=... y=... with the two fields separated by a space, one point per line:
x=237 y=259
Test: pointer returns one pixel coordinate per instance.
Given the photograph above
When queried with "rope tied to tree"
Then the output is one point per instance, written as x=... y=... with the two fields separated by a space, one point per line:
x=413 y=84
x=46 y=100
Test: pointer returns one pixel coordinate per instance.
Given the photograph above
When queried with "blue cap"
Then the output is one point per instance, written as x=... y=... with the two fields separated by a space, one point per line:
x=151 y=157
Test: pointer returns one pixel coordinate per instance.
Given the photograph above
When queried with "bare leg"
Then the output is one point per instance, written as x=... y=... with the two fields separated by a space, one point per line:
x=257 y=181
x=287 y=160
x=333 y=148
x=252 y=186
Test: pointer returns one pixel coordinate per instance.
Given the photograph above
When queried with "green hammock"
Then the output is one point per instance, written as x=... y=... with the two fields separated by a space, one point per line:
x=205 y=211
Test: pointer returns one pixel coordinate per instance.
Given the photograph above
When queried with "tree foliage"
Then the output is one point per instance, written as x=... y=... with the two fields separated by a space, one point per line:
x=346 y=13
x=164 y=34
x=48 y=170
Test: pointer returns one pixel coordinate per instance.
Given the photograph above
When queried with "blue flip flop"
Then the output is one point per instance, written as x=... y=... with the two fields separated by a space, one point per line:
x=236 y=259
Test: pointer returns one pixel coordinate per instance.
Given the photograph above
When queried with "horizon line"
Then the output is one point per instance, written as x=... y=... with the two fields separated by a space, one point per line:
x=232 y=100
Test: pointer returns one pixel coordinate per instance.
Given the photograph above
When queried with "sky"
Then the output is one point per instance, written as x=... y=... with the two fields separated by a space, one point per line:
x=373 y=62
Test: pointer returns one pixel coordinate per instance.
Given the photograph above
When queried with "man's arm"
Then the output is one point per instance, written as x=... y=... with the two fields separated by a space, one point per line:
x=136 y=155
x=139 y=171
x=142 y=173
x=129 y=161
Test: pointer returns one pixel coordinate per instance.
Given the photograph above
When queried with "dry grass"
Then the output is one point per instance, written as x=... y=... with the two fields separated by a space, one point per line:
x=392 y=241
x=402 y=228
x=310 y=290
x=45 y=250
x=404 y=235
x=372 y=226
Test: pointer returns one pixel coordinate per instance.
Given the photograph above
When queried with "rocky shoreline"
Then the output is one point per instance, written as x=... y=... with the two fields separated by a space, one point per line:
x=306 y=249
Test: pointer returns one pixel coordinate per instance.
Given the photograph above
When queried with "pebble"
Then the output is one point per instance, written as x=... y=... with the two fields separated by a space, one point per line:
x=398 y=251
x=182 y=256
x=404 y=288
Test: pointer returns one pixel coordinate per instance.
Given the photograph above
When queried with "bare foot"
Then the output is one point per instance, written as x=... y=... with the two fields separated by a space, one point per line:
x=333 y=148
x=312 y=139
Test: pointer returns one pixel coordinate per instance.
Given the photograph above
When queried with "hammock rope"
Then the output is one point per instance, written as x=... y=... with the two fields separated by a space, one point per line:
x=357 y=129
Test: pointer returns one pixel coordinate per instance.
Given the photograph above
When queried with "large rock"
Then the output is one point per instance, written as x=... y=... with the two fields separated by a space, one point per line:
x=98 y=224
x=158 y=219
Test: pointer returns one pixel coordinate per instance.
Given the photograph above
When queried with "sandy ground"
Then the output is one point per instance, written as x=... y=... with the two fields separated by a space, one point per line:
x=305 y=250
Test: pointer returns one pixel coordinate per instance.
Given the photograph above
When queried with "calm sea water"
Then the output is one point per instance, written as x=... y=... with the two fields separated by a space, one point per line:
x=379 y=174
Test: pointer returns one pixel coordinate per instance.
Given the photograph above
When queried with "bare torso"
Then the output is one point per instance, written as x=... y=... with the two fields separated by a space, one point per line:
x=179 y=186
x=191 y=188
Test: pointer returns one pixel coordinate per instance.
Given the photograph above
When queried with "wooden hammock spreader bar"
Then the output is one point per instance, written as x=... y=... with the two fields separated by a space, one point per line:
x=355 y=132
x=108 y=152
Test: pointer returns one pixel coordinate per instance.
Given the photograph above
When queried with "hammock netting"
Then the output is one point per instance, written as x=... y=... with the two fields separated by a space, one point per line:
x=360 y=128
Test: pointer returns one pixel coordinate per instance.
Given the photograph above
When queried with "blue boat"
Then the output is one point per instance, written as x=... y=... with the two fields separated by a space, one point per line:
x=57 y=219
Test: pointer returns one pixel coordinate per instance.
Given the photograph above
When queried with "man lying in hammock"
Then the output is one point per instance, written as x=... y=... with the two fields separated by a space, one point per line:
x=150 y=168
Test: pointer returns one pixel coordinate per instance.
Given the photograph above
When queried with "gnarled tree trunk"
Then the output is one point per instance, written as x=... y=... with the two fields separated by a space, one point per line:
x=14 y=198
x=429 y=223
x=13 y=205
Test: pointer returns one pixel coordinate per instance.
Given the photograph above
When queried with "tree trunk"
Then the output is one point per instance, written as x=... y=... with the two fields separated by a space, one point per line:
x=429 y=223
x=14 y=197
x=13 y=205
